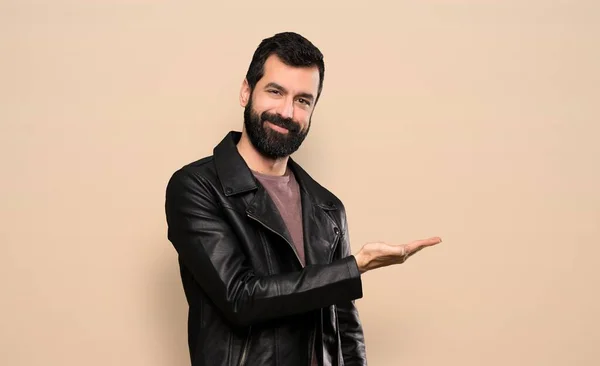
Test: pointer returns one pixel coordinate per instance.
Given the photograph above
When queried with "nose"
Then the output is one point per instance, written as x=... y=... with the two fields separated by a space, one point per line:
x=286 y=110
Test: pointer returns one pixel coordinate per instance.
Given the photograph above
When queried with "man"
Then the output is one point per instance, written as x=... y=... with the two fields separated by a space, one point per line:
x=264 y=252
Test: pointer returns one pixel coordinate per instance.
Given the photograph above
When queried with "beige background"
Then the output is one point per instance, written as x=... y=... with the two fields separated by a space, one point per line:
x=473 y=120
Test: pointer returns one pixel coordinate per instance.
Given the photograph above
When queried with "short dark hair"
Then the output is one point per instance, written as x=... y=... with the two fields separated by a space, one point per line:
x=292 y=49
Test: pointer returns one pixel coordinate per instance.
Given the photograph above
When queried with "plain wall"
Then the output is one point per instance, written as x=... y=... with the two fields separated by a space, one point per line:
x=476 y=121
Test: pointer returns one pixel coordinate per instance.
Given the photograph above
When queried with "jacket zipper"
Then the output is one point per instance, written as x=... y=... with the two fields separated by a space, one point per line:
x=278 y=234
x=245 y=349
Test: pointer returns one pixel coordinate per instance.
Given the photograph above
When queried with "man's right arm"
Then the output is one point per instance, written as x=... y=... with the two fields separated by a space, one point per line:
x=210 y=250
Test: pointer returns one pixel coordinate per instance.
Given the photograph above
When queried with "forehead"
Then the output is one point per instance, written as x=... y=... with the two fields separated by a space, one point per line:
x=295 y=79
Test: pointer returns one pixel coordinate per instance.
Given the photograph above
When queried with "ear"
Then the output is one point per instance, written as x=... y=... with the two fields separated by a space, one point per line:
x=244 y=93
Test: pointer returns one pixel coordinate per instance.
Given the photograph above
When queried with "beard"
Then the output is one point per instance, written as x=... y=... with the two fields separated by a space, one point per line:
x=270 y=143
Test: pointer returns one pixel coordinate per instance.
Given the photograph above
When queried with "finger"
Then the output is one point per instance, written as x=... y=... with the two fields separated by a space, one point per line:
x=420 y=244
x=399 y=250
x=410 y=254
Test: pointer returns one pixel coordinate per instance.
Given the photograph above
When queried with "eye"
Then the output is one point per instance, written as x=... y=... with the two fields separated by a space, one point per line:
x=304 y=101
x=273 y=91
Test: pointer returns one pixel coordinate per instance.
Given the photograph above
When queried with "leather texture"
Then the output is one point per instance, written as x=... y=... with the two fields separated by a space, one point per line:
x=251 y=302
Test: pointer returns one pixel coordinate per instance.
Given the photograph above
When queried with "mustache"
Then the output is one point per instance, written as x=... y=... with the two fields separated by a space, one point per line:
x=280 y=121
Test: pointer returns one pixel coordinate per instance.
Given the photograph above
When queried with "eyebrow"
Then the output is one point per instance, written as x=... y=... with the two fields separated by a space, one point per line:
x=283 y=90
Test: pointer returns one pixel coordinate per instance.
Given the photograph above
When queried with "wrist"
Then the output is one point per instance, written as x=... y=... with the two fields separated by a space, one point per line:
x=361 y=263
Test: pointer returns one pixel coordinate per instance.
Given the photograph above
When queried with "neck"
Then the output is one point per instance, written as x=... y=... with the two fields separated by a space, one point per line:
x=258 y=162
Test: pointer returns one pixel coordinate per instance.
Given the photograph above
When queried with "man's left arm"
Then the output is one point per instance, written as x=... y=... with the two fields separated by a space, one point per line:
x=351 y=331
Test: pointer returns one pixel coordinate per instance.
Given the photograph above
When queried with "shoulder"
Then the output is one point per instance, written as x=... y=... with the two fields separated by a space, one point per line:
x=192 y=176
x=200 y=168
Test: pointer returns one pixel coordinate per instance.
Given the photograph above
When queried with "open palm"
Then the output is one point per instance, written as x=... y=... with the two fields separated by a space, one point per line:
x=379 y=254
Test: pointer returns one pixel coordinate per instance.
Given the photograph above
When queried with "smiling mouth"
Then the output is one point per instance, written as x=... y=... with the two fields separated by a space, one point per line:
x=277 y=128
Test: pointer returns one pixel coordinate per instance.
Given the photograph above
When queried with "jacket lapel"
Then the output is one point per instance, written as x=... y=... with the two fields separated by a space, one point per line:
x=321 y=232
x=263 y=210
x=320 y=236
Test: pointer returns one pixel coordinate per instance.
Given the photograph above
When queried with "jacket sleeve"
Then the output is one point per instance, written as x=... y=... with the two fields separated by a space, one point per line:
x=209 y=248
x=351 y=331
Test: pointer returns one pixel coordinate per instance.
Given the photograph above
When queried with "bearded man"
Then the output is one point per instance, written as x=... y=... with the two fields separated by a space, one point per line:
x=264 y=252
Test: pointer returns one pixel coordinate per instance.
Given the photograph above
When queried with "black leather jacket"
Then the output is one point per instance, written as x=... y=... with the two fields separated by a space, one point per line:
x=250 y=300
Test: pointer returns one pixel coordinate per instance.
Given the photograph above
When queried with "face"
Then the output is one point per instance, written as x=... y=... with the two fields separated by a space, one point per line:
x=278 y=111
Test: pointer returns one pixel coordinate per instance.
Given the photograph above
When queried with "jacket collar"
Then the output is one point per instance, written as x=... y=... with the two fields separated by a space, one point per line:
x=236 y=177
